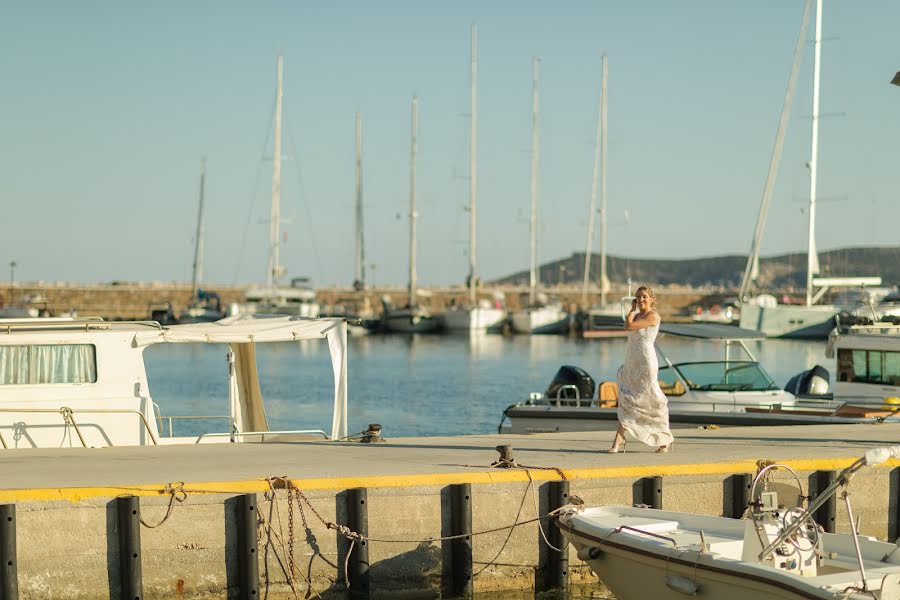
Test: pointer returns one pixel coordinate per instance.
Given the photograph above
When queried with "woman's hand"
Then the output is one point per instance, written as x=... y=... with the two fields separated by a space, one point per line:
x=633 y=304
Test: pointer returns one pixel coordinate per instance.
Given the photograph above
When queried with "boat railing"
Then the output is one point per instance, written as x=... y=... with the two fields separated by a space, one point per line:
x=577 y=398
x=68 y=418
x=170 y=420
x=262 y=434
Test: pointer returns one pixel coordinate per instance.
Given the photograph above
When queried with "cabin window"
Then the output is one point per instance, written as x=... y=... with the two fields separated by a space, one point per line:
x=59 y=363
x=869 y=366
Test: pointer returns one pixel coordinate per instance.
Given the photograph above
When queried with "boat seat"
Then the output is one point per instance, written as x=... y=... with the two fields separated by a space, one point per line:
x=675 y=389
x=607 y=394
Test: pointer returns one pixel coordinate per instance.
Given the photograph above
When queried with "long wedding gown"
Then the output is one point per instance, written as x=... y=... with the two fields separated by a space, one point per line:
x=642 y=407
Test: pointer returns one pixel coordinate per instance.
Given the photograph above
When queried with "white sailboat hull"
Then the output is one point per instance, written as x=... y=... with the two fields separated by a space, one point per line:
x=787 y=320
x=545 y=319
x=491 y=320
x=406 y=320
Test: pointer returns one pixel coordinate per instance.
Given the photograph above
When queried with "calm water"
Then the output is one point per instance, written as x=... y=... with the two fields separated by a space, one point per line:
x=419 y=385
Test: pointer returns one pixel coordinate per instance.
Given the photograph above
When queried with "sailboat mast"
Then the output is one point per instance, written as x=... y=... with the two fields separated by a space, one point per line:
x=812 y=259
x=535 y=155
x=604 y=280
x=274 y=271
x=751 y=271
x=593 y=203
x=198 y=240
x=473 y=149
x=360 y=272
x=412 y=201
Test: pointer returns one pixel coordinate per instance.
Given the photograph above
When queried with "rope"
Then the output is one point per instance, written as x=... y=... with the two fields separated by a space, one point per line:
x=176 y=493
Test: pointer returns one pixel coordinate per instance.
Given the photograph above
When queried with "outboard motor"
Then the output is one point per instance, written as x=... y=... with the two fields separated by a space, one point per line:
x=569 y=375
x=813 y=382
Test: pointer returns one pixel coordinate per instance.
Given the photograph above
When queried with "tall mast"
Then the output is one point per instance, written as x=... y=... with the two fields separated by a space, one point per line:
x=590 y=232
x=360 y=272
x=198 y=240
x=535 y=155
x=812 y=258
x=473 y=148
x=412 y=201
x=604 y=280
x=751 y=271
x=275 y=269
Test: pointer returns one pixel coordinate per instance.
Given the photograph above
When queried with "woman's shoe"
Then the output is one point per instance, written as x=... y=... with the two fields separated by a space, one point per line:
x=664 y=449
x=617 y=449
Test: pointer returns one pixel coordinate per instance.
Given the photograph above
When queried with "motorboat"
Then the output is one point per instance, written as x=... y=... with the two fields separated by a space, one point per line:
x=605 y=321
x=82 y=382
x=776 y=551
x=735 y=391
x=867 y=359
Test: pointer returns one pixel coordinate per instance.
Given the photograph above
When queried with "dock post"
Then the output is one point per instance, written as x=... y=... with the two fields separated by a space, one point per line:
x=358 y=564
x=825 y=515
x=248 y=557
x=9 y=575
x=652 y=488
x=557 y=567
x=461 y=549
x=740 y=493
x=128 y=513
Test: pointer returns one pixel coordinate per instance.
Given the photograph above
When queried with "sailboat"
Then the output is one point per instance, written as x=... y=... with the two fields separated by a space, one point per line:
x=204 y=305
x=412 y=318
x=477 y=316
x=300 y=298
x=539 y=316
x=809 y=320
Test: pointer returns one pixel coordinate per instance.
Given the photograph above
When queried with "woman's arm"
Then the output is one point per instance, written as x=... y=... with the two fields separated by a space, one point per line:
x=633 y=321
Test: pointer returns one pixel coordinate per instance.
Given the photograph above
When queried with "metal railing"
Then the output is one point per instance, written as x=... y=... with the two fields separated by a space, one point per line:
x=170 y=419
x=68 y=417
x=263 y=434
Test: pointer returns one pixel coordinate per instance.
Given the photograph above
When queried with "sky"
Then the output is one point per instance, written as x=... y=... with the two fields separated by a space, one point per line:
x=107 y=109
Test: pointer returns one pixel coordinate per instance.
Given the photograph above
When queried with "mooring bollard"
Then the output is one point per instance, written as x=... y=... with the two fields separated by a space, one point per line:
x=740 y=493
x=248 y=556
x=825 y=515
x=358 y=563
x=557 y=567
x=652 y=491
x=461 y=549
x=9 y=578
x=128 y=516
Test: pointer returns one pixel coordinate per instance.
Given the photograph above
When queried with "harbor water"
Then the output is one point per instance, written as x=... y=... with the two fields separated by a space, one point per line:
x=420 y=385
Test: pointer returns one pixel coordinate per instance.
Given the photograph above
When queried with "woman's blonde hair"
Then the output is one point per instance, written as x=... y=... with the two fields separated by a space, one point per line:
x=646 y=288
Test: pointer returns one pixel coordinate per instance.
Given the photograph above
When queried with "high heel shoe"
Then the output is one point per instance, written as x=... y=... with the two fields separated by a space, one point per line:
x=617 y=449
x=664 y=449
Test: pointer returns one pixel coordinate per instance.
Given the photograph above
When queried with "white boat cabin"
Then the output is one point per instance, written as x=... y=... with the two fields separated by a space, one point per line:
x=83 y=382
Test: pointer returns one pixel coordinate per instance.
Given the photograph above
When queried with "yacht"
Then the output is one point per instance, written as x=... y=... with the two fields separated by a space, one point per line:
x=82 y=382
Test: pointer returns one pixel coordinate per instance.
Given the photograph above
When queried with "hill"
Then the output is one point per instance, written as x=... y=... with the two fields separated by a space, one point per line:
x=786 y=271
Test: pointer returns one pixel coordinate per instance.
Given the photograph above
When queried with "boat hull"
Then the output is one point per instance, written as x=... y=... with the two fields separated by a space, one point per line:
x=789 y=321
x=406 y=320
x=490 y=320
x=543 y=320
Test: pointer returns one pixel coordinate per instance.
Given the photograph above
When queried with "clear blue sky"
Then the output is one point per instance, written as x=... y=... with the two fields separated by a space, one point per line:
x=107 y=108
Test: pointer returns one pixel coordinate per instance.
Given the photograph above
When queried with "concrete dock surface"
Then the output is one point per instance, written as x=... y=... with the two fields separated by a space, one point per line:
x=435 y=460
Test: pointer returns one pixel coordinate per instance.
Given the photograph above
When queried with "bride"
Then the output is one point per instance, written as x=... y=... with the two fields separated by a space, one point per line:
x=642 y=408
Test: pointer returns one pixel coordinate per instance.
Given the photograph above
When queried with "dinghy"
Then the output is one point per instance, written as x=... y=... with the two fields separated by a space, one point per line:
x=776 y=551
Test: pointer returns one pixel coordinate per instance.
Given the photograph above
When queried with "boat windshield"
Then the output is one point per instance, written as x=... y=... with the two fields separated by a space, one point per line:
x=726 y=376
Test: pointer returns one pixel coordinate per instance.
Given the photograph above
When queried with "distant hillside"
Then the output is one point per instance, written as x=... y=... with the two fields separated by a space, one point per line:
x=781 y=272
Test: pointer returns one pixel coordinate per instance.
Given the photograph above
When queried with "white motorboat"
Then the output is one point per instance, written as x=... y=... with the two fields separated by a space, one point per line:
x=735 y=391
x=776 y=551
x=868 y=364
x=83 y=383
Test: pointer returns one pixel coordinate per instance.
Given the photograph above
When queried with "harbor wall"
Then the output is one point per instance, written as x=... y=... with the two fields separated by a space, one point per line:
x=67 y=540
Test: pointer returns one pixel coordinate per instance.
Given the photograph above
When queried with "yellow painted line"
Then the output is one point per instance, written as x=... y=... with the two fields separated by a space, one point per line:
x=76 y=494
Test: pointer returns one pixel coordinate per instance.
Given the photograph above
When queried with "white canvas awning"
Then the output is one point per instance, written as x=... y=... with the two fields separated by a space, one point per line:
x=244 y=329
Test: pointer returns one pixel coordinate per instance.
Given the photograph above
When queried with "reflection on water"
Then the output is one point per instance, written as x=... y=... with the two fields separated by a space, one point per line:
x=421 y=385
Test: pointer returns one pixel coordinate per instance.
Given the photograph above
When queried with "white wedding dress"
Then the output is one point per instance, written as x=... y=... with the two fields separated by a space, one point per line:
x=642 y=409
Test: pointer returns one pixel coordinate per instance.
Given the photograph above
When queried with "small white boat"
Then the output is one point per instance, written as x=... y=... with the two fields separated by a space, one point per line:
x=775 y=552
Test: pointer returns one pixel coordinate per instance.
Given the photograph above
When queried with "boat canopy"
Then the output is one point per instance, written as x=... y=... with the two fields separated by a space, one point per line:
x=242 y=332
x=711 y=331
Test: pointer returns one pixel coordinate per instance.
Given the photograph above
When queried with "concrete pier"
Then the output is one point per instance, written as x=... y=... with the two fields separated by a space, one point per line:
x=68 y=537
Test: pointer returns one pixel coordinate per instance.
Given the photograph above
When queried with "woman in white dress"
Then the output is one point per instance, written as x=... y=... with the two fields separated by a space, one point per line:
x=642 y=406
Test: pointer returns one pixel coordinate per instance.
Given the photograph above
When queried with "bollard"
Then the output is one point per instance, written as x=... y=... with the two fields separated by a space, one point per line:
x=557 y=568
x=652 y=491
x=248 y=557
x=9 y=578
x=358 y=563
x=894 y=500
x=461 y=549
x=128 y=513
x=740 y=493
x=825 y=515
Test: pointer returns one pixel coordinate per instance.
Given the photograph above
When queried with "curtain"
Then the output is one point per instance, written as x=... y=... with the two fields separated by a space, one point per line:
x=63 y=363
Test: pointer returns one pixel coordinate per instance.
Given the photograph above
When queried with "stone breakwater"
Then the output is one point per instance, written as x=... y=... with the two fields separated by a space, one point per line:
x=121 y=301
